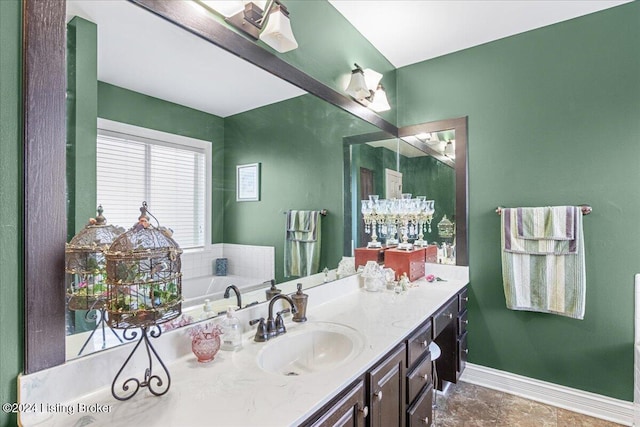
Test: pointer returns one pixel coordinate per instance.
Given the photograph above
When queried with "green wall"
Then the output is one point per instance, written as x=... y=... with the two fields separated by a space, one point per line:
x=82 y=111
x=427 y=176
x=554 y=119
x=299 y=145
x=12 y=276
x=125 y=106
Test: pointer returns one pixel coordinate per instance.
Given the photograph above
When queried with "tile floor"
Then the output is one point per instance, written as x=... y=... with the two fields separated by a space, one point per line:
x=468 y=405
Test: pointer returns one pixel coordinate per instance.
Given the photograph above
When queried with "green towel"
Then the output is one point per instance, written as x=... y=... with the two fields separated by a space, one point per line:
x=544 y=272
x=302 y=243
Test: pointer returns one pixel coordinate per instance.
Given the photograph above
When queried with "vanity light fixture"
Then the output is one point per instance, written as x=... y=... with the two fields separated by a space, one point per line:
x=268 y=23
x=449 y=149
x=365 y=88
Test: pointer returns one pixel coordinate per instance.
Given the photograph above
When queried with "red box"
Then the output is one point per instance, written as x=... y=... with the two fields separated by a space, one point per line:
x=368 y=254
x=410 y=262
x=431 y=254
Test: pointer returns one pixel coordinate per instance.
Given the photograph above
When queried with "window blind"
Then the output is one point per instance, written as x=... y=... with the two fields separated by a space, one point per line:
x=169 y=177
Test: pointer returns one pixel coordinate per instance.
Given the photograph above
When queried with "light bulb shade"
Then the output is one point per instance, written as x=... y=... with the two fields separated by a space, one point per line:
x=278 y=33
x=372 y=78
x=357 y=87
x=450 y=149
x=380 y=101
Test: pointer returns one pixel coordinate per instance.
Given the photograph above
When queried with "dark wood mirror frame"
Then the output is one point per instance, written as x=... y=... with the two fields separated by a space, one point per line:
x=44 y=202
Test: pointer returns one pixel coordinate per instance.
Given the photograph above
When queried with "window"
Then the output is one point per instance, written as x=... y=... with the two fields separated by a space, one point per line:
x=171 y=173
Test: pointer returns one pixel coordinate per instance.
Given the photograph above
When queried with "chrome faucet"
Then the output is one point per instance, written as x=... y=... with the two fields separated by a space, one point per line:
x=237 y=291
x=276 y=327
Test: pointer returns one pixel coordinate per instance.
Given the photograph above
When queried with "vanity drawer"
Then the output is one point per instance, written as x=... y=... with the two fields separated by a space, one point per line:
x=462 y=323
x=463 y=298
x=446 y=314
x=420 y=414
x=418 y=378
x=418 y=344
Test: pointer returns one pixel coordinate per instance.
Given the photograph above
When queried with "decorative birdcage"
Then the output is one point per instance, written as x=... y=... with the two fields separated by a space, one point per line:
x=85 y=264
x=446 y=228
x=143 y=276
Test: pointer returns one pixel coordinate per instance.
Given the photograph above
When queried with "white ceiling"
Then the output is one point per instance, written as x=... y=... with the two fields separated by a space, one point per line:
x=410 y=31
x=140 y=51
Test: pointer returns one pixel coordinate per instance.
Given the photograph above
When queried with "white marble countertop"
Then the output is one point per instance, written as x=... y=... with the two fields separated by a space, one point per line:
x=234 y=391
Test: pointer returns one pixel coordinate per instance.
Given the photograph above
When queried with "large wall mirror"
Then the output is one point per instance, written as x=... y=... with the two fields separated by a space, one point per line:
x=283 y=142
x=380 y=170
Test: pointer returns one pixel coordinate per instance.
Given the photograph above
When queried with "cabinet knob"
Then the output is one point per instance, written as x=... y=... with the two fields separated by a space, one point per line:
x=425 y=377
x=466 y=322
x=465 y=299
x=425 y=420
x=450 y=315
x=466 y=351
x=364 y=411
x=424 y=343
x=378 y=395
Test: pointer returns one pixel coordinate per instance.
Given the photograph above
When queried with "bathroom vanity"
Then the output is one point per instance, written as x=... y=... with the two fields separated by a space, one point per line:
x=398 y=389
x=376 y=369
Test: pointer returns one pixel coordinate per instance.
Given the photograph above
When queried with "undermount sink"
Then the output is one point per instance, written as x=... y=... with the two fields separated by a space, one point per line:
x=312 y=349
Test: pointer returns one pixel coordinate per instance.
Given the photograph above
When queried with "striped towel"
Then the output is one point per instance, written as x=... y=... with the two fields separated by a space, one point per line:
x=302 y=243
x=543 y=265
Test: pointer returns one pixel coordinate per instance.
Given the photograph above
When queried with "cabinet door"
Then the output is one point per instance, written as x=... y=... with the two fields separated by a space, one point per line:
x=386 y=391
x=348 y=410
x=462 y=353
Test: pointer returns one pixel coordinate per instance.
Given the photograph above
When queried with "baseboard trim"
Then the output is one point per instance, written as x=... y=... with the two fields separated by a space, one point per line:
x=583 y=402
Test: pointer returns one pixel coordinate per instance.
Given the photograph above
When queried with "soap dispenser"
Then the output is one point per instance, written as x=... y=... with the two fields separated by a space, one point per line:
x=272 y=291
x=231 y=332
x=300 y=301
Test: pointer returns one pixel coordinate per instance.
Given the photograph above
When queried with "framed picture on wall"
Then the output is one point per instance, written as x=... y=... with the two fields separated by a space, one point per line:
x=248 y=182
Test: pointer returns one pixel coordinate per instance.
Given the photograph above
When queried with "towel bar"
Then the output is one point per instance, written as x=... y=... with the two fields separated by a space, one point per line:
x=586 y=209
x=323 y=212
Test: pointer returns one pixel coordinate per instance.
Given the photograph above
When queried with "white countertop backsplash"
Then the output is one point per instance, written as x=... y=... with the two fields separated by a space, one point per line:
x=232 y=390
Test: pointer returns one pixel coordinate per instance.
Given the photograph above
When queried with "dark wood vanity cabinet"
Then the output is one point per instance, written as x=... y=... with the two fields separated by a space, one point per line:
x=398 y=390
x=385 y=390
x=450 y=333
x=375 y=400
x=419 y=394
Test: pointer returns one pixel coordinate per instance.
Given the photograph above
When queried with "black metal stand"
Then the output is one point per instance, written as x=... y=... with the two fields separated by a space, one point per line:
x=92 y=316
x=156 y=385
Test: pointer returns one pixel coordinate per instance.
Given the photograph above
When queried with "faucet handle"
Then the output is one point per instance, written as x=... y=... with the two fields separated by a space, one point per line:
x=280 y=329
x=261 y=333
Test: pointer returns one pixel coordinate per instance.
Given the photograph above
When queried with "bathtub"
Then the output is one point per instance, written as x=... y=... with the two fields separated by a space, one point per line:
x=196 y=290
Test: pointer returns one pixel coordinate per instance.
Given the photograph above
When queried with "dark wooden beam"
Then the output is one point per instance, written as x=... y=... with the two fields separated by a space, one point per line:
x=44 y=226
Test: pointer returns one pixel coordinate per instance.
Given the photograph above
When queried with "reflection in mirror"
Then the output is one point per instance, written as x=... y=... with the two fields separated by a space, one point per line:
x=139 y=110
x=44 y=127
x=403 y=192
